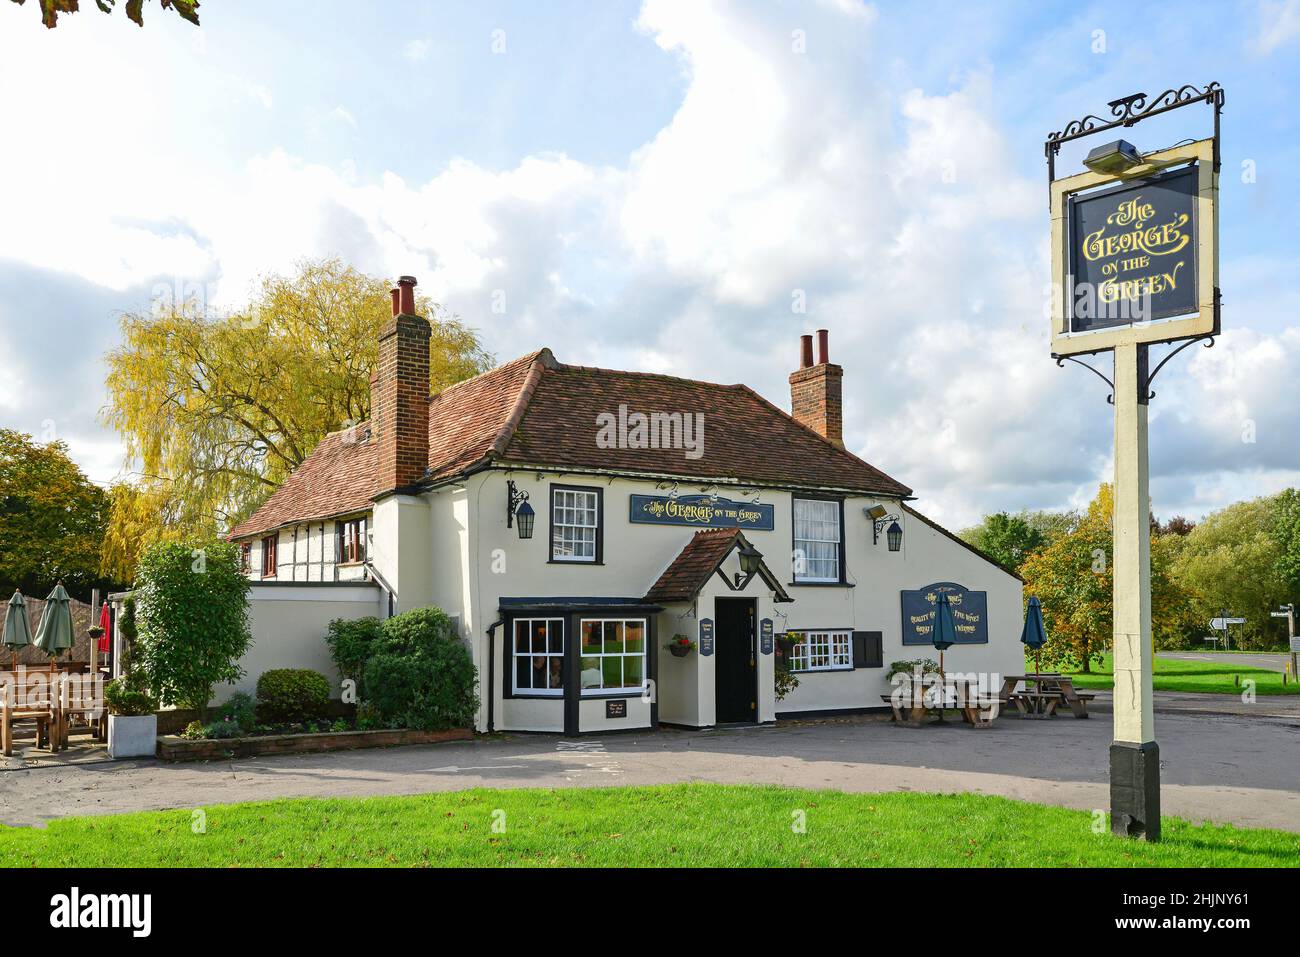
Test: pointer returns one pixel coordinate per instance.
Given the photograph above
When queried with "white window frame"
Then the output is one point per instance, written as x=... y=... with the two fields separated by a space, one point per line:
x=800 y=544
x=833 y=647
x=556 y=525
x=602 y=655
x=551 y=623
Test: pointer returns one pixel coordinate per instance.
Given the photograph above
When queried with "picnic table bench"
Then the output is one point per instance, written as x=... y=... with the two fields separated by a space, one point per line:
x=1044 y=693
x=910 y=705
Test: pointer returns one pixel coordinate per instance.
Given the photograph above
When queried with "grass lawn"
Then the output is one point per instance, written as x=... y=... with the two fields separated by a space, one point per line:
x=674 y=825
x=1212 y=676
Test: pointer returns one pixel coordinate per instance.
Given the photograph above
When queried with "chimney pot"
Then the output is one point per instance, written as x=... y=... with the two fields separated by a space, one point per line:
x=805 y=352
x=823 y=347
x=406 y=297
x=397 y=300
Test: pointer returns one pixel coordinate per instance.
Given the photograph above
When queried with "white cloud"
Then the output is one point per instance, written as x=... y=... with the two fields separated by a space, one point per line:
x=416 y=50
x=1279 y=24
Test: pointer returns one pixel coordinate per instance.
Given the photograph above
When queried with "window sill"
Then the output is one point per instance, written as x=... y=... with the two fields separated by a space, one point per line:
x=821 y=585
x=580 y=562
x=531 y=696
x=360 y=564
x=594 y=695
x=839 y=669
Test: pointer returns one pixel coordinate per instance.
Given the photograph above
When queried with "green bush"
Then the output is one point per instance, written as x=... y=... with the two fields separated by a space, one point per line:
x=192 y=601
x=292 y=696
x=238 y=712
x=420 y=675
x=127 y=700
x=351 y=643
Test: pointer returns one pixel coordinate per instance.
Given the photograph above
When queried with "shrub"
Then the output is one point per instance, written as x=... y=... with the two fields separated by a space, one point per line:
x=928 y=667
x=218 y=730
x=237 y=710
x=420 y=675
x=292 y=695
x=351 y=643
x=193 y=731
x=127 y=700
x=193 y=608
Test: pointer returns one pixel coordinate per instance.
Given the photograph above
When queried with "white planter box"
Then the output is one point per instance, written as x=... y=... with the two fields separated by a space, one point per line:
x=132 y=737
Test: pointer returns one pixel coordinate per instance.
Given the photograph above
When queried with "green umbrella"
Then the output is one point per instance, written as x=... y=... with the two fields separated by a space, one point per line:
x=943 y=635
x=18 y=630
x=1034 y=634
x=54 y=633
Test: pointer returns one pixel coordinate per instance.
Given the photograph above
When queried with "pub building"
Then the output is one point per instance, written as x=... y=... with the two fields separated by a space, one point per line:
x=576 y=522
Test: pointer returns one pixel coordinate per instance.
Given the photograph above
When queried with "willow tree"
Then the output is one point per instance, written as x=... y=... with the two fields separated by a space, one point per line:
x=214 y=412
x=50 y=9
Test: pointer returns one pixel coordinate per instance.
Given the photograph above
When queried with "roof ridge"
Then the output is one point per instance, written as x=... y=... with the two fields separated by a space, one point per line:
x=647 y=375
x=511 y=424
x=839 y=448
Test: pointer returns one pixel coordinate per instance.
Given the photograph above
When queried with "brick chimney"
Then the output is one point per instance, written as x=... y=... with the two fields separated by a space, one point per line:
x=816 y=391
x=399 y=394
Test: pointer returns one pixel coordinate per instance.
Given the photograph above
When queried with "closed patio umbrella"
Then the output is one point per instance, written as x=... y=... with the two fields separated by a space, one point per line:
x=943 y=635
x=106 y=625
x=54 y=633
x=1034 y=635
x=18 y=630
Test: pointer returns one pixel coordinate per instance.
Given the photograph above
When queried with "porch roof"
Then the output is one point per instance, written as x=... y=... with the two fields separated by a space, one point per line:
x=701 y=557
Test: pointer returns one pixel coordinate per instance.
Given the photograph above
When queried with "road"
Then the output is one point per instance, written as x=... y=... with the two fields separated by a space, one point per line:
x=1271 y=661
x=1225 y=768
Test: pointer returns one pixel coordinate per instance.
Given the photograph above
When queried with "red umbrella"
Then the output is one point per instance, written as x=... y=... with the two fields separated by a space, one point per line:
x=105 y=622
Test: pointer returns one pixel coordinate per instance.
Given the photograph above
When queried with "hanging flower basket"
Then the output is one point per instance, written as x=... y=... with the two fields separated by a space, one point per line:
x=680 y=646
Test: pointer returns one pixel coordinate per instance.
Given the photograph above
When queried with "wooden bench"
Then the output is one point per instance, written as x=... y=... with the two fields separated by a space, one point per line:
x=81 y=698
x=29 y=696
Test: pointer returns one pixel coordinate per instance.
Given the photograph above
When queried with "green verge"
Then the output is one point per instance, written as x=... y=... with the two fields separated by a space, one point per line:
x=685 y=825
x=1207 y=676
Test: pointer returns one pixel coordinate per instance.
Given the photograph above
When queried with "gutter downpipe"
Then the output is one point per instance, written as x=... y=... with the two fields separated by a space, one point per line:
x=491 y=682
x=383 y=583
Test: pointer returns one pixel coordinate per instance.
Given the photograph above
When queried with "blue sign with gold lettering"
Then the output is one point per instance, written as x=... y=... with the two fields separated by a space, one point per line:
x=765 y=636
x=706 y=637
x=969 y=614
x=701 y=511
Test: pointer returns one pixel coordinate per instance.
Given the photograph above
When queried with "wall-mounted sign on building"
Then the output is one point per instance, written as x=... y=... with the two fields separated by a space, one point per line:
x=706 y=637
x=765 y=636
x=969 y=613
x=701 y=511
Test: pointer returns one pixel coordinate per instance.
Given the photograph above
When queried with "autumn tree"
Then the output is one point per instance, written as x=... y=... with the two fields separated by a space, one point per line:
x=50 y=9
x=1286 y=536
x=214 y=412
x=52 y=519
x=1073 y=578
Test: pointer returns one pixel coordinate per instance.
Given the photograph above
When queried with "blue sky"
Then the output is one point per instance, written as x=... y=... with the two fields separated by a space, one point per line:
x=652 y=186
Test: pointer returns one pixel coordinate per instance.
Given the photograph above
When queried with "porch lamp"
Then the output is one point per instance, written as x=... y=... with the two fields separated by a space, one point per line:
x=750 y=560
x=895 y=536
x=517 y=507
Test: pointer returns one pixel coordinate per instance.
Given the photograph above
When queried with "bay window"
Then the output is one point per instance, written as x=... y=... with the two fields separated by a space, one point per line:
x=539 y=656
x=613 y=655
x=818 y=541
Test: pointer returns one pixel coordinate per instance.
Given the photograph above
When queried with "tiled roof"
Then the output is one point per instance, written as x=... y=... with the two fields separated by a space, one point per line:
x=535 y=411
x=687 y=573
x=338 y=477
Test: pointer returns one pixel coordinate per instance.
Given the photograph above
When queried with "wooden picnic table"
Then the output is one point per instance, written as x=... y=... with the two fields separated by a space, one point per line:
x=911 y=704
x=1044 y=693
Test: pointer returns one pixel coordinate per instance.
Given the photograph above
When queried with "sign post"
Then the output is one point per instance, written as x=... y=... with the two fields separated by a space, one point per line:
x=1134 y=263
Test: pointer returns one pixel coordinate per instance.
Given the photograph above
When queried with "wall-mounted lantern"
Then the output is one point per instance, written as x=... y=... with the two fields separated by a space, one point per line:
x=879 y=517
x=517 y=507
x=750 y=560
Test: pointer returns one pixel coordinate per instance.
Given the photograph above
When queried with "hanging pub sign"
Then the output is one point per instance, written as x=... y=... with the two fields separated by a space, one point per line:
x=701 y=511
x=1135 y=252
x=706 y=637
x=969 y=614
x=765 y=636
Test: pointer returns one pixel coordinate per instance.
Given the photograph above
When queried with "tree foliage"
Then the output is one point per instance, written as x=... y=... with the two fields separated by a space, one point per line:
x=52 y=519
x=50 y=9
x=192 y=603
x=1073 y=578
x=216 y=412
x=1232 y=561
x=1007 y=539
x=1286 y=536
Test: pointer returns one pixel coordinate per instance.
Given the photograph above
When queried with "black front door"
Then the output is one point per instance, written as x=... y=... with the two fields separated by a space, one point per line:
x=736 y=664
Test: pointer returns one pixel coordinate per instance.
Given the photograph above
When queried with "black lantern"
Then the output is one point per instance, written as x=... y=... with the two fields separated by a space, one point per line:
x=895 y=536
x=525 y=514
x=750 y=561
x=517 y=507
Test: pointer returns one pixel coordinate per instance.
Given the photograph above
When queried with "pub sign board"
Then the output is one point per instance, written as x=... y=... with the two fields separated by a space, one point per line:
x=706 y=637
x=1133 y=252
x=765 y=636
x=969 y=614
x=701 y=511
x=1135 y=259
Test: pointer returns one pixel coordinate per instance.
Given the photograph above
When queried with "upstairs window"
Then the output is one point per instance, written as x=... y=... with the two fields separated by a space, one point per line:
x=246 y=557
x=817 y=541
x=268 y=556
x=575 y=524
x=352 y=541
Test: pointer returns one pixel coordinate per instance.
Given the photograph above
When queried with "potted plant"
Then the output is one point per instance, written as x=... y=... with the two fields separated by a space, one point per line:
x=680 y=646
x=132 y=721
